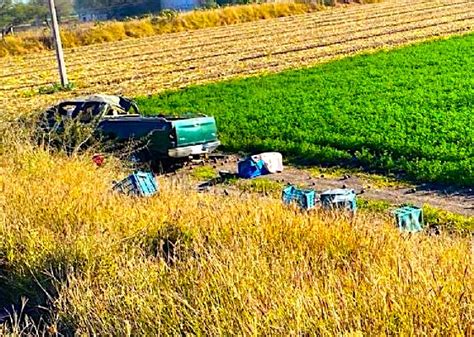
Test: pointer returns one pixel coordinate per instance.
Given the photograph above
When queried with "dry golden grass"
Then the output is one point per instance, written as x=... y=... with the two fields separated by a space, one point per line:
x=14 y=45
x=183 y=262
x=117 y=30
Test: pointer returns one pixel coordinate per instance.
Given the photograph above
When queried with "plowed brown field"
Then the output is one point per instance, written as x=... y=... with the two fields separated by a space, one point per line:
x=148 y=65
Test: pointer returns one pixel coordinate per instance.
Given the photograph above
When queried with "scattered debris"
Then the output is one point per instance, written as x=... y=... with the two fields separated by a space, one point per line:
x=434 y=230
x=273 y=161
x=141 y=184
x=98 y=159
x=260 y=164
x=227 y=175
x=248 y=168
x=330 y=199
x=204 y=188
x=412 y=190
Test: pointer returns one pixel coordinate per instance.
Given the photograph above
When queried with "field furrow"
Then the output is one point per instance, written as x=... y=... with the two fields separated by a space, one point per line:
x=327 y=46
x=166 y=62
x=274 y=63
x=333 y=16
x=162 y=58
x=185 y=48
x=144 y=66
x=231 y=34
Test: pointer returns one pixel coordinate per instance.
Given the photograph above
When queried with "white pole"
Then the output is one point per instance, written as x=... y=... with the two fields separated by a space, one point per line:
x=58 y=44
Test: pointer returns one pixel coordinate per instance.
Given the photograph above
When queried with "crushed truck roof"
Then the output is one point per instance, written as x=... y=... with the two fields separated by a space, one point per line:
x=99 y=98
x=117 y=101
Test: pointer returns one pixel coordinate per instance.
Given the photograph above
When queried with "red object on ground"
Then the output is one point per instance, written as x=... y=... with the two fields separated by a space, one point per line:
x=98 y=159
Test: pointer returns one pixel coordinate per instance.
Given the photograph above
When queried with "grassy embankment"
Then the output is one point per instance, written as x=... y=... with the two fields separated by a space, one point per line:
x=169 y=22
x=407 y=112
x=92 y=262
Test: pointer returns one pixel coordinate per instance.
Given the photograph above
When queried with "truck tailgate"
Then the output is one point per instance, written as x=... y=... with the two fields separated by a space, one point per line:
x=194 y=131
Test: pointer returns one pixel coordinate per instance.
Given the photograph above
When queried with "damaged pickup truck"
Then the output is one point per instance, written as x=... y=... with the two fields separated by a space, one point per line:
x=118 y=119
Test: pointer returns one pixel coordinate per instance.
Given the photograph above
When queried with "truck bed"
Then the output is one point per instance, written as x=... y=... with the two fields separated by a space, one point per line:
x=183 y=135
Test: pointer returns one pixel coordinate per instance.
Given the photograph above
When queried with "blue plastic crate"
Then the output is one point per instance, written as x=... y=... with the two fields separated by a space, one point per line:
x=140 y=184
x=409 y=218
x=339 y=198
x=305 y=198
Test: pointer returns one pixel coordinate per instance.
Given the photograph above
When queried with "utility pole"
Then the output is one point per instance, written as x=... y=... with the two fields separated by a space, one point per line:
x=58 y=44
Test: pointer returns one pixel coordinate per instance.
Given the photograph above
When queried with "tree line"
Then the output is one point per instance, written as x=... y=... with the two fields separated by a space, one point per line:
x=16 y=13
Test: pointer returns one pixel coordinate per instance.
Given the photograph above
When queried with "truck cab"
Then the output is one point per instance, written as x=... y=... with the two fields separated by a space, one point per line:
x=119 y=119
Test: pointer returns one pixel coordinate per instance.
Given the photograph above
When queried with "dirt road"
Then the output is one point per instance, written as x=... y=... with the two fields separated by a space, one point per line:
x=460 y=201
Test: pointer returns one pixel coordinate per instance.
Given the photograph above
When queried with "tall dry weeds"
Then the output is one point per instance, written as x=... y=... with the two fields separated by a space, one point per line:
x=92 y=262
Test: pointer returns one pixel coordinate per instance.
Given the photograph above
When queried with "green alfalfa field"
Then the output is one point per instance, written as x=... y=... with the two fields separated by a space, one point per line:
x=409 y=112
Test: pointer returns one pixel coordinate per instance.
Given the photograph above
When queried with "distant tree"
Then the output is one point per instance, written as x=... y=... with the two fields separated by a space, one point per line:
x=119 y=8
x=15 y=13
x=5 y=3
x=12 y=13
x=63 y=7
x=5 y=6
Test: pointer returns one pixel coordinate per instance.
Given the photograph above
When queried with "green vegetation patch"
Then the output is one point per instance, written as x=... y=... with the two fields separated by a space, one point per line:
x=55 y=87
x=448 y=220
x=371 y=179
x=204 y=172
x=407 y=112
x=259 y=185
x=378 y=206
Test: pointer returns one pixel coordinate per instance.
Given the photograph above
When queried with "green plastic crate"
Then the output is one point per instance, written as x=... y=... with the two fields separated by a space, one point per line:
x=409 y=219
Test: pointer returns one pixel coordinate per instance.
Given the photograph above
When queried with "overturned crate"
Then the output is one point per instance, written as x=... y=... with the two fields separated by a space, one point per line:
x=340 y=199
x=141 y=184
x=409 y=219
x=305 y=198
